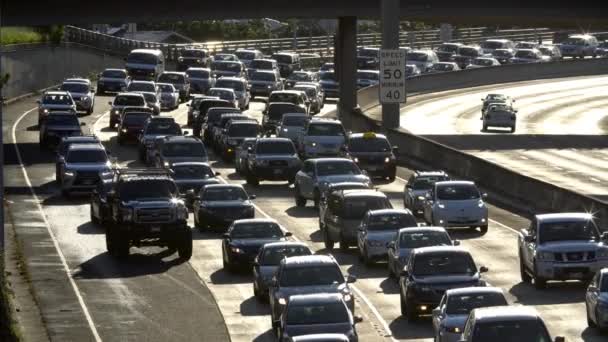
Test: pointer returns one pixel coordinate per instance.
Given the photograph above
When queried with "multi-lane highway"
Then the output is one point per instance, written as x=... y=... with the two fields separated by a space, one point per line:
x=154 y=297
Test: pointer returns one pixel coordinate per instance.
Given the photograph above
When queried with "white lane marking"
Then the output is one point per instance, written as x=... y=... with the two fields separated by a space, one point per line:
x=66 y=268
x=367 y=302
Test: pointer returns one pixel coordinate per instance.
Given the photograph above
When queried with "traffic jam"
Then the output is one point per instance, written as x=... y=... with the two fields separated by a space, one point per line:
x=173 y=192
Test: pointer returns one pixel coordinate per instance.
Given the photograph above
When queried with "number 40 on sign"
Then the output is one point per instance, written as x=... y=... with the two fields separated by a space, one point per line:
x=392 y=76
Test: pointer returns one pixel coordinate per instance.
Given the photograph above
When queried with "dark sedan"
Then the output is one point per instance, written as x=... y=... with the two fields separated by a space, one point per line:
x=218 y=205
x=131 y=126
x=191 y=177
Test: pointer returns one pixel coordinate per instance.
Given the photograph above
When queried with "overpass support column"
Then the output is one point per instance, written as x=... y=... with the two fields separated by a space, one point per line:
x=390 y=11
x=346 y=64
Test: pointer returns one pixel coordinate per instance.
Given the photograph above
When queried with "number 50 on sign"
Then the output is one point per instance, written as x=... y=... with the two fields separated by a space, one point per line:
x=392 y=76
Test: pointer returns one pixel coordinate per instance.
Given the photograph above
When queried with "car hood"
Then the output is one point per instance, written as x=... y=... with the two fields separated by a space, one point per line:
x=150 y=203
x=447 y=280
x=56 y=106
x=173 y=160
x=221 y=204
x=460 y=205
x=275 y=157
x=150 y=67
x=252 y=243
x=267 y=272
x=568 y=246
x=297 y=330
x=455 y=321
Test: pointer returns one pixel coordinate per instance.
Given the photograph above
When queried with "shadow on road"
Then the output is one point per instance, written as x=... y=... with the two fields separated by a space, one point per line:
x=104 y=266
x=593 y=335
x=404 y=330
x=253 y=307
x=302 y=212
x=90 y=228
x=224 y=277
x=267 y=336
x=390 y=285
x=555 y=293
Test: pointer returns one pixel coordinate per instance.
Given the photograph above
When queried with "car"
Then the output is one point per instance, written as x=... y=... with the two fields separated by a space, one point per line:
x=345 y=211
x=518 y=323
x=529 y=56
x=218 y=130
x=239 y=85
x=225 y=57
x=54 y=101
x=288 y=62
x=411 y=70
x=377 y=229
x=195 y=101
x=601 y=50
x=145 y=64
x=526 y=45
x=316 y=102
x=99 y=207
x=327 y=67
x=233 y=135
x=83 y=167
x=409 y=238
x=240 y=155
x=226 y=94
x=199 y=106
x=64 y=145
x=453 y=311
x=191 y=177
x=114 y=80
x=225 y=68
x=82 y=93
x=322 y=138
x=561 y=246
x=551 y=51
x=488 y=46
x=292 y=126
x=596 y=301
x=466 y=54
x=320 y=338
x=317 y=313
x=418 y=185
x=496 y=98
x=218 y=205
x=368 y=58
x=57 y=126
x=202 y=116
x=146 y=211
x=450 y=267
x=142 y=86
x=262 y=64
x=272 y=159
x=152 y=102
x=422 y=59
x=374 y=154
x=248 y=55
x=579 y=45
x=274 y=114
x=301 y=76
x=296 y=97
x=155 y=128
x=201 y=79
x=131 y=126
x=499 y=115
x=264 y=82
x=456 y=204
x=178 y=149
x=444 y=67
x=242 y=241
x=168 y=96
x=446 y=50
x=482 y=62
x=367 y=78
x=121 y=101
x=267 y=262
x=503 y=55
x=308 y=274
x=329 y=82
x=192 y=57
x=179 y=80
x=318 y=174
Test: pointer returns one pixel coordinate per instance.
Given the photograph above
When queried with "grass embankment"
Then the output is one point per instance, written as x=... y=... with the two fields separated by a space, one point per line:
x=20 y=35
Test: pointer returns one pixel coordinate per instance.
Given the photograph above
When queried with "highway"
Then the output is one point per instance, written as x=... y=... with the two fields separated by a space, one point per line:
x=154 y=297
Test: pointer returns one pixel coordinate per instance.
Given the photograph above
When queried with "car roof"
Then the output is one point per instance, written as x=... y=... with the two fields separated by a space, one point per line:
x=362 y=135
x=556 y=217
x=295 y=115
x=265 y=59
x=251 y=121
x=505 y=313
x=329 y=160
x=136 y=94
x=353 y=193
x=255 y=220
x=75 y=81
x=273 y=140
x=421 y=230
x=191 y=164
x=182 y=73
x=317 y=298
x=320 y=337
x=152 y=51
x=308 y=260
x=454 y=182
x=474 y=290
x=295 y=92
x=182 y=138
x=419 y=173
x=80 y=138
x=318 y=120
x=440 y=249
x=57 y=92
x=389 y=212
x=279 y=244
x=114 y=69
x=223 y=89
x=232 y=78
x=264 y=71
x=223 y=186
x=87 y=147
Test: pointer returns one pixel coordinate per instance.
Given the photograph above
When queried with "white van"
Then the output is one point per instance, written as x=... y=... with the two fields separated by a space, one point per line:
x=145 y=64
x=579 y=45
x=423 y=59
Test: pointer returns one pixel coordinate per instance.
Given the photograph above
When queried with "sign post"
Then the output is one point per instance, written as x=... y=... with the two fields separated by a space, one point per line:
x=392 y=76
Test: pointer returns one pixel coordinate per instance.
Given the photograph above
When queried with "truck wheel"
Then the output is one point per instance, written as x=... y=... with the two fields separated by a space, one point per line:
x=300 y=201
x=525 y=277
x=94 y=219
x=539 y=282
x=327 y=241
x=343 y=244
x=117 y=246
x=366 y=259
x=251 y=180
x=317 y=198
x=184 y=245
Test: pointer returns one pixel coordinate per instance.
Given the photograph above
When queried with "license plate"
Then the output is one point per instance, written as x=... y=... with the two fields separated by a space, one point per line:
x=155 y=229
x=463 y=218
x=87 y=181
x=278 y=171
x=373 y=168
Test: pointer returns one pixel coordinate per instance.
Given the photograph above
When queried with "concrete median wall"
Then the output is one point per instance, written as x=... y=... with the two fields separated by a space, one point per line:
x=33 y=67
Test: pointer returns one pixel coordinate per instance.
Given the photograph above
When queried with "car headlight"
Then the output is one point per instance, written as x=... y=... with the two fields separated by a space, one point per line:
x=356 y=160
x=182 y=213
x=198 y=61
x=68 y=173
x=481 y=204
x=124 y=130
x=181 y=59
x=269 y=87
x=453 y=330
x=546 y=256
x=116 y=112
x=45 y=111
x=236 y=250
x=387 y=160
x=127 y=214
x=421 y=198
x=285 y=130
x=167 y=164
x=282 y=301
x=441 y=205
x=313 y=144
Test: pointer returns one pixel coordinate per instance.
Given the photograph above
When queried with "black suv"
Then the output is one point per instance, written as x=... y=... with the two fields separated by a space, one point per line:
x=272 y=159
x=146 y=211
x=218 y=129
x=214 y=115
x=200 y=114
x=374 y=154
x=192 y=58
x=131 y=126
x=57 y=126
x=179 y=149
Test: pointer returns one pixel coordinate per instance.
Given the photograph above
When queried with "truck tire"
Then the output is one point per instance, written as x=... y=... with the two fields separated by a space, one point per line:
x=184 y=244
x=525 y=277
x=329 y=244
x=117 y=246
x=300 y=201
x=539 y=282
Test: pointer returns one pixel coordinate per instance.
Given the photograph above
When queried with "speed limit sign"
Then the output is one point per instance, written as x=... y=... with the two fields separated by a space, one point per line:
x=392 y=76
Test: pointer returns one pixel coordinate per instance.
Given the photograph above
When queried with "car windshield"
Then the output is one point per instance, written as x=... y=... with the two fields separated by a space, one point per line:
x=141 y=58
x=284 y=97
x=325 y=130
x=524 y=45
x=511 y=331
x=283 y=59
x=367 y=76
x=223 y=57
x=230 y=84
x=75 y=87
x=546 y=51
x=197 y=73
x=142 y=86
x=181 y=149
x=356 y=207
x=457 y=192
x=468 y=51
x=335 y=168
x=86 y=156
x=222 y=94
x=272 y=256
x=224 y=194
x=295 y=121
x=310 y=92
x=62 y=120
x=276 y=110
x=411 y=240
x=428 y=264
x=491 y=45
x=134 y=101
x=260 y=64
x=501 y=53
x=163 y=128
x=214 y=115
x=417 y=57
x=114 y=74
x=299 y=76
x=135 y=119
x=166 y=88
x=192 y=172
x=368 y=145
x=233 y=67
x=243 y=130
x=150 y=97
x=426 y=183
x=525 y=54
x=391 y=221
x=327 y=313
x=369 y=53
x=604 y=285
x=264 y=76
x=57 y=100
x=483 y=62
x=464 y=303
x=256 y=230
x=448 y=48
x=146 y=188
x=495 y=98
x=313 y=275
x=172 y=78
x=193 y=53
x=328 y=76
x=275 y=147
x=245 y=55
x=443 y=67
x=583 y=230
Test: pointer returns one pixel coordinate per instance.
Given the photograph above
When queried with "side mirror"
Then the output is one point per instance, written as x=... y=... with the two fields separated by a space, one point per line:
x=559 y=339
x=226 y=236
x=186 y=132
x=436 y=312
x=256 y=262
x=61 y=160
x=252 y=197
x=404 y=272
x=351 y=279
x=288 y=234
x=358 y=319
x=456 y=242
x=217 y=174
x=483 y=269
